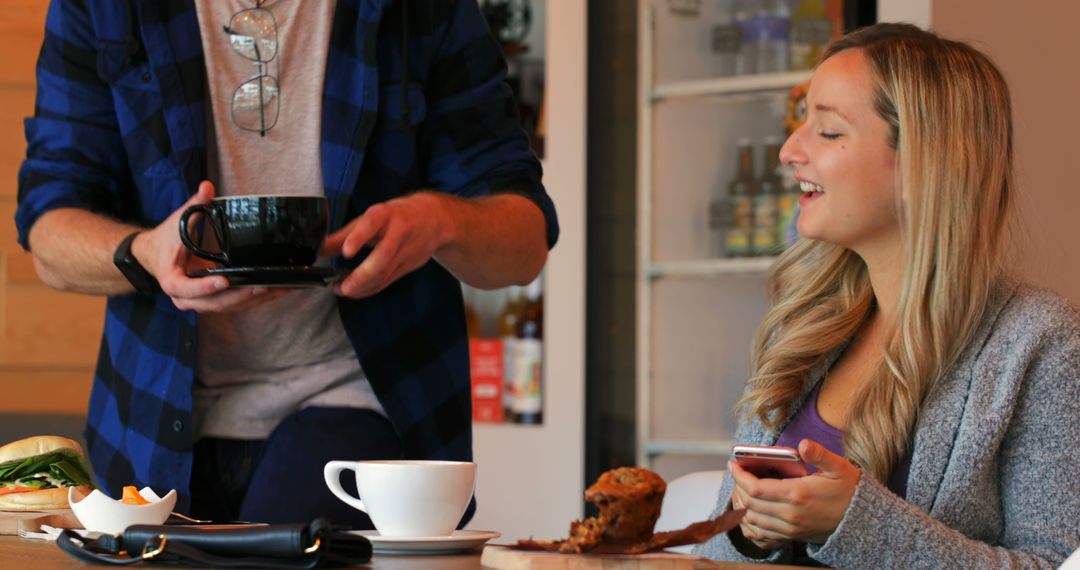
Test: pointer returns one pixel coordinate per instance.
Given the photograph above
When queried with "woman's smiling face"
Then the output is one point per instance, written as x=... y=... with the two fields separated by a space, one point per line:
x=843 y=162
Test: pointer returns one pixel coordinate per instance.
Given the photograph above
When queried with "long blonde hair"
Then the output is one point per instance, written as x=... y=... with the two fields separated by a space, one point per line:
x=950 y=122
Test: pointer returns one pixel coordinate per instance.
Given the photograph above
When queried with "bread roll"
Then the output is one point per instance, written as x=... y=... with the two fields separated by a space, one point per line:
x=37 y=445
x=40 y=500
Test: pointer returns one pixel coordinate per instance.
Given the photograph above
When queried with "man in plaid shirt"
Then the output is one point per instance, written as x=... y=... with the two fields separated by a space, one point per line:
x=396 y=111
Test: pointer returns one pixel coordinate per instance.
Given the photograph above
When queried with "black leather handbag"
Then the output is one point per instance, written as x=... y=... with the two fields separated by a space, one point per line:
x=300 y=545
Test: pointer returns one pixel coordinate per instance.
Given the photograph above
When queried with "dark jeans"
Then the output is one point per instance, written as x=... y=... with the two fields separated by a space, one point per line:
x=280 y=479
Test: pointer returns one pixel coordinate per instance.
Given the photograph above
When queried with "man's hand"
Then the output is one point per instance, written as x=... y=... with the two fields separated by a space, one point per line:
x=806 y=509
x=403 y=234
x=162 y=254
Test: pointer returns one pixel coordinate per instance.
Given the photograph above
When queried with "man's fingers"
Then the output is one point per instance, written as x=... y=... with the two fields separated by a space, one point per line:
x=373 y=274
x=204 y=195
x=348 y=241
x=358 y=233
x=231 y=300
x=178 y=285
x=332 y=244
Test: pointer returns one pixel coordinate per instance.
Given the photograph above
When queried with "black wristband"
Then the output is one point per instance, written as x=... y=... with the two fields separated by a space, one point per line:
x=135 y=273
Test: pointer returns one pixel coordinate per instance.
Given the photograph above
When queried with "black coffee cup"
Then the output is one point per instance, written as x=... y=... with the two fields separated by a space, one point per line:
x=261 y=231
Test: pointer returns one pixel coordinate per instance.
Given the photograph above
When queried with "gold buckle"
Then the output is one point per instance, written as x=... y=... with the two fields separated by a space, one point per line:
x=148 y=554
x=313 y=547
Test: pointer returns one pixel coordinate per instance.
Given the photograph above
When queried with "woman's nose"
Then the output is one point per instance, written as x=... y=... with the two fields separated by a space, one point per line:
x=791 y=154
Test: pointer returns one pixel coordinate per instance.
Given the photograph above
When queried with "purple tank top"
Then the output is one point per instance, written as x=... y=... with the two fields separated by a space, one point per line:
x=807 y=424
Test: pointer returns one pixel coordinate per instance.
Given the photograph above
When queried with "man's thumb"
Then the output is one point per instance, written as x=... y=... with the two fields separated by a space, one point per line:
x=203 y=195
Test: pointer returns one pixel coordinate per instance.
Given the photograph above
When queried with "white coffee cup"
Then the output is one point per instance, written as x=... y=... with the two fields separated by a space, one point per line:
x=407 y=498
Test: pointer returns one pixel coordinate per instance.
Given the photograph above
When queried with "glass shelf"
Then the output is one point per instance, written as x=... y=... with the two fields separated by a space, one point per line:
x=688 y=447
x=711 y=267
x=738 y=85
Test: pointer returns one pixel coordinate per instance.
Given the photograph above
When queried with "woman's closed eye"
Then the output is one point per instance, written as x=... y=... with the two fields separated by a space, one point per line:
x=829 y=135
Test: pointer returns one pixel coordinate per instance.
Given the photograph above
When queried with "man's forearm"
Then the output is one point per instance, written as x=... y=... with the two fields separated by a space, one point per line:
x=494 y=241
x=73 y=251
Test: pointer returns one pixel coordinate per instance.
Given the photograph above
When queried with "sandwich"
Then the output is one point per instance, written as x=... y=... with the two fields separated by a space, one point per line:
x=36 y=472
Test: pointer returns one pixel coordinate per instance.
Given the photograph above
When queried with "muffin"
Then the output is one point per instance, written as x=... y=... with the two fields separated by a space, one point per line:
x=629 y=501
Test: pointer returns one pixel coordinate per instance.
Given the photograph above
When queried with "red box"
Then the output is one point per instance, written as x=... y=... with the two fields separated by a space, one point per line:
x=486 y=370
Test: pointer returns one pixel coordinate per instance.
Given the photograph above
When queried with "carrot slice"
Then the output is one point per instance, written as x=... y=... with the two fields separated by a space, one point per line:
x=16 y=489
x=132 y=496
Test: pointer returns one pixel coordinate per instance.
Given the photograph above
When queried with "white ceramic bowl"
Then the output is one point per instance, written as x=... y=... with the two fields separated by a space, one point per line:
x=97 y=512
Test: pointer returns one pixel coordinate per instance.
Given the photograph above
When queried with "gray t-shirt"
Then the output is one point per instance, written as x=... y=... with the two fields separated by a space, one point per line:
x=257 y=366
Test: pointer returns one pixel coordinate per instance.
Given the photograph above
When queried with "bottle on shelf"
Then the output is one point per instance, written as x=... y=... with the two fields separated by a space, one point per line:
x=744 y=13
x=741 y=192
x=720 y=217
x=774 y=21
x=726 y=40
x=527 y=402
x=485 y=363
x=811 y=30
x=507 y=322
x=764 y=239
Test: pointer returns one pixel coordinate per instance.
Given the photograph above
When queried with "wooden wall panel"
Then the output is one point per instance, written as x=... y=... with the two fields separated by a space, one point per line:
x=47 y=329
x=46 y=391
x=19 y=268
x=48 y=339
x=21 y=30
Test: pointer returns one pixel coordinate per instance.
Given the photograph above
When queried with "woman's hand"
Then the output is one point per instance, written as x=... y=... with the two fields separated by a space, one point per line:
x=806 y=509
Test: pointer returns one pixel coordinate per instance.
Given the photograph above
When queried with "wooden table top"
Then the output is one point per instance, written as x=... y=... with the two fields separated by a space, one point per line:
x=18 y=553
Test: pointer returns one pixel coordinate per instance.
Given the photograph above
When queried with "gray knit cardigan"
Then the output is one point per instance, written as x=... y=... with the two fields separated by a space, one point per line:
x=995 y=474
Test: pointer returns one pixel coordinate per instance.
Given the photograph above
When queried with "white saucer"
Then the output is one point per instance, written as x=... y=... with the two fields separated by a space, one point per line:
x=460 y=540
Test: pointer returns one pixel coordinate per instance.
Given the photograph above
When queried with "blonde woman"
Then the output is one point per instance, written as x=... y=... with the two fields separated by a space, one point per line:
x=937 y=398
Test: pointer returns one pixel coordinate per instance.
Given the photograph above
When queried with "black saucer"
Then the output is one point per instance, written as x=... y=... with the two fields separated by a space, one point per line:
x=275 y=276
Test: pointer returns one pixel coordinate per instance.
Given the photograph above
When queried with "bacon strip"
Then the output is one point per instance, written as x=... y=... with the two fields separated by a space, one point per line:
x=693 y=534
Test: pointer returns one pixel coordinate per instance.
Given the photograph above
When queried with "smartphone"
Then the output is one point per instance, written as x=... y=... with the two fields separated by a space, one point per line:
x=770 y=462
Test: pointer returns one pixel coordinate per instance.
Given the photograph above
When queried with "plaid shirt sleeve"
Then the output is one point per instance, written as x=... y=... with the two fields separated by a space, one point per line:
x=472 y=131
x=75 y=155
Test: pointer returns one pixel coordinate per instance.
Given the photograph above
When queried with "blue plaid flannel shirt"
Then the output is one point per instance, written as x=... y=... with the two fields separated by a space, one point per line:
x=120 y=128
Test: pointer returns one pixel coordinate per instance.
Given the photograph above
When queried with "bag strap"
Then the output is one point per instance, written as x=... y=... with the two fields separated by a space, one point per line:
x=303 y=546
x=89 y=550
x=160 y=549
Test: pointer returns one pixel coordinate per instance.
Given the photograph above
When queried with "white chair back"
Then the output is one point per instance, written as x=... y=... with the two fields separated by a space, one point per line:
x=689 y=499
x=1072 y=562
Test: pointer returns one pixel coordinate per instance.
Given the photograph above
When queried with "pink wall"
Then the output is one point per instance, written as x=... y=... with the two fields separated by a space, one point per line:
x=1039 y=53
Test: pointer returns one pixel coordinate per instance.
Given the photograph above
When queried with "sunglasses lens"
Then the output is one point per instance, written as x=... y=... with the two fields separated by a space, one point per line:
x=253 y=34
x=255 y=104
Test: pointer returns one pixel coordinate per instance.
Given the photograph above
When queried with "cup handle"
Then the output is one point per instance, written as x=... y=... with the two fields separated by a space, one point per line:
x=215 y=221
x=332 y=474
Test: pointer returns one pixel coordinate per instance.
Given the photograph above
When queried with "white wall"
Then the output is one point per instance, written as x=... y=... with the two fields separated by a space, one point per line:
x=911 y=11
x=1036 y=50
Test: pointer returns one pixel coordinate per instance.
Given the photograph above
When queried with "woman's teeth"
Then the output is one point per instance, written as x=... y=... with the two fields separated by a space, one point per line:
x=810 y=187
